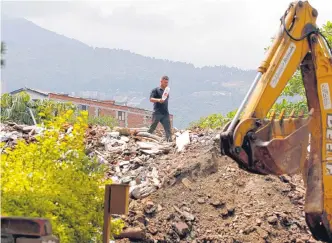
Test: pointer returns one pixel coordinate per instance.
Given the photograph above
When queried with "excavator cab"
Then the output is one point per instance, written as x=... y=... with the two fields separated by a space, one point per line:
x=279 y=145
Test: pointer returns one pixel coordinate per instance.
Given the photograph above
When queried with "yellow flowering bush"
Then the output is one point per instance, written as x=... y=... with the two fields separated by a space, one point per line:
x=55 y=179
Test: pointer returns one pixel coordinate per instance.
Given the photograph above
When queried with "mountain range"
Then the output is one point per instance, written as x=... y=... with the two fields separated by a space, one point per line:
x=41 y=59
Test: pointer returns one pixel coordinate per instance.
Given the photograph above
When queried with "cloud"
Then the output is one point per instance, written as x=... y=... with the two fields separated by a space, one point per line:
x=202 y=32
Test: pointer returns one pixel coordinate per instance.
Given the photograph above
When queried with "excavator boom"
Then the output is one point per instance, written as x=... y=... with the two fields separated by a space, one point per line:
x=279 y=146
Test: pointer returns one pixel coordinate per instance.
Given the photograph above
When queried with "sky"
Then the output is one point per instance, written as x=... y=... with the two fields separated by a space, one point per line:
x=201 y=32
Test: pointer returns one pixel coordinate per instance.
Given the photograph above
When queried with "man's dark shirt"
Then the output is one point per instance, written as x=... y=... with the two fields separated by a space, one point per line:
x=159 y=108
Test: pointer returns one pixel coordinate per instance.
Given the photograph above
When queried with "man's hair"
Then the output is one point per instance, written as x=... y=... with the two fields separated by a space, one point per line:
x=164 y=77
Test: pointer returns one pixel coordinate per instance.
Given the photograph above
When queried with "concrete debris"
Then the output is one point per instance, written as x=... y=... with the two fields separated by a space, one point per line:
x=11 y=132
x=186 y=192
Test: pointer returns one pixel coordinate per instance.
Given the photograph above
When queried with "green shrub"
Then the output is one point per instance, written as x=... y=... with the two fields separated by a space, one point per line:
x=109 y=121
x=16 y=108
x=288 y=107
x=54 y=178
x=214 y=121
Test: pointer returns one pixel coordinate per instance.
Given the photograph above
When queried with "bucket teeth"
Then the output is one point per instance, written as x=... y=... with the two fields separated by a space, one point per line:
x=272 y=116
x=281 y=116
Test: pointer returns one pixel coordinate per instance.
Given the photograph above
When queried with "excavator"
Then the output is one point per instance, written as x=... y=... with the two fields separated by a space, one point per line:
x=264 y=143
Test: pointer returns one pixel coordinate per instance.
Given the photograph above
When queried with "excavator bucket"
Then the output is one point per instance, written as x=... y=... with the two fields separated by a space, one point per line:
x=278 y=147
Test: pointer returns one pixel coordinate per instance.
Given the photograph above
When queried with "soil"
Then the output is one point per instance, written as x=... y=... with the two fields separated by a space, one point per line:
x=207 y=198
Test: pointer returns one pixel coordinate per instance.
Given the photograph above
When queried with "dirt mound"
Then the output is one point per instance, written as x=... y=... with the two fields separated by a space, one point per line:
x=209 y=199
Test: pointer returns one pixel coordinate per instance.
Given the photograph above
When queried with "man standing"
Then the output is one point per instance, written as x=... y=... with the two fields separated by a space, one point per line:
x=160 y=109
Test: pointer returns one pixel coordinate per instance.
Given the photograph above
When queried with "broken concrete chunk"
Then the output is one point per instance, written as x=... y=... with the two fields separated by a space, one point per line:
x=201 y=200
x=217 y=203
x=123 y=163
x=117 y=169
x=150 y=207
x=147 y=145
x=152 y=151
x=126 y=180
x=186 y=182
x=132 y=234
x=188 y=216
x=149 y=135
x=181 y=229
x=142 y=191
x=112 y=149
x=28 y=129
x=114 y=134
x=125 y=139
x=272 y=220
x=152 y=229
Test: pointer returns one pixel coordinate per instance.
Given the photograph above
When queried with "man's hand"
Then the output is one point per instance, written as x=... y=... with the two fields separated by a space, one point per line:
x=161 y=101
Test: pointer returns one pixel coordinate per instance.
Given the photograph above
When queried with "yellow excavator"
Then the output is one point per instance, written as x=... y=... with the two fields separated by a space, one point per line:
x=265 y=144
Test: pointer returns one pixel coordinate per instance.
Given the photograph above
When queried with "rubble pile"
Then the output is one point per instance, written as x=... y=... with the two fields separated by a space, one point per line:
x=11 y=132
x=134 y=156
x=184 y=191
x=143 y=160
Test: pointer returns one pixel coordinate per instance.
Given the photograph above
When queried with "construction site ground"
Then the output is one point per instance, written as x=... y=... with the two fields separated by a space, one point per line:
x=207 y=198
x=191 y=195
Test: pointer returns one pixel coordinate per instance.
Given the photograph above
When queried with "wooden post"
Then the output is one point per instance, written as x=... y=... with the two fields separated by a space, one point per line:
x=115 y=202
x=107 y=215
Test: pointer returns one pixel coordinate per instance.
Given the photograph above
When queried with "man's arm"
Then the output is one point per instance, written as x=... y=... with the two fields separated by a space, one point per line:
x=153 y=99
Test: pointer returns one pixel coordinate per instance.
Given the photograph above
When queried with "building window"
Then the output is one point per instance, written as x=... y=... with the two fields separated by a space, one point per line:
x=121 y=115
x=83 y=107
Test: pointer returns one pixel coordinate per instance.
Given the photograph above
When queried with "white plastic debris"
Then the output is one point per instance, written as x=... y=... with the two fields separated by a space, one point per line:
x=182 y=140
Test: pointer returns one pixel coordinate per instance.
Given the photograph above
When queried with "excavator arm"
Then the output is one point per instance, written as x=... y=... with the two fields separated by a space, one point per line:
x=280 y=145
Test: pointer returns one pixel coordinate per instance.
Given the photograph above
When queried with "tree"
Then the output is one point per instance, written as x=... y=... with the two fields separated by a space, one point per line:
x=15 y=108
x=295 y=85
x=18 y=108
x=327 y=32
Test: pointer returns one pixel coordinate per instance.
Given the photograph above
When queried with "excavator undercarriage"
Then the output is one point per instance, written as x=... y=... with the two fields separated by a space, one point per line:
x=296 y=144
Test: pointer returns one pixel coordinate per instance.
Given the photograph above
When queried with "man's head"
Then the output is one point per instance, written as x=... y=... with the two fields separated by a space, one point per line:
x=164 y=82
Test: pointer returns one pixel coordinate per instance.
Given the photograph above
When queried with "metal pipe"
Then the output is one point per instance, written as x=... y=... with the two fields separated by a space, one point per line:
x=33 y=117
x=244 y=102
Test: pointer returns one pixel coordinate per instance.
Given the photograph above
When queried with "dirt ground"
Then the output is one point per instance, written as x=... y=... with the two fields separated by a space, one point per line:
x=207 y=198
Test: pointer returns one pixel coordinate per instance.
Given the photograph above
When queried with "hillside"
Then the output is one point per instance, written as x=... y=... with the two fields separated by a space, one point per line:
x=41 y=59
